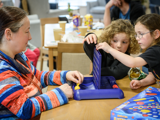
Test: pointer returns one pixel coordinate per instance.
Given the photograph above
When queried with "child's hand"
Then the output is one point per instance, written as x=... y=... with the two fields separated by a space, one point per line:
x=135 y=84
x=90 y=39
x=104 y=46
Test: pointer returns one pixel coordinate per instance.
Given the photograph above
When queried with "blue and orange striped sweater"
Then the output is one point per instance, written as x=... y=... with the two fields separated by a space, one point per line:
x=19 y=97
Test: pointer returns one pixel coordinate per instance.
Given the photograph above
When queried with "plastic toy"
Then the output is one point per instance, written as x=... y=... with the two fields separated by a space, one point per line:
x=97 y=87
x=76 y=21
x=88 y=21
x=77 y=87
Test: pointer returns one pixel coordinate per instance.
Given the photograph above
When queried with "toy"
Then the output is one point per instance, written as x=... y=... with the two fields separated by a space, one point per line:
x=88 y=20
x=97 y=87
x=76 y=21
x=144 y=106
x=77 y=87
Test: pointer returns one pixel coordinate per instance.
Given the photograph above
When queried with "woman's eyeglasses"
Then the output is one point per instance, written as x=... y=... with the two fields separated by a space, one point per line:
x=141 y=34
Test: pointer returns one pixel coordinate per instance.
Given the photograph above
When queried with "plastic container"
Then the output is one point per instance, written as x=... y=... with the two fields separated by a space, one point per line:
x=97 y=87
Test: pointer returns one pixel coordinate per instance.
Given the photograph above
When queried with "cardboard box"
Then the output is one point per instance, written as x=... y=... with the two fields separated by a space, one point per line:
x=143 y=106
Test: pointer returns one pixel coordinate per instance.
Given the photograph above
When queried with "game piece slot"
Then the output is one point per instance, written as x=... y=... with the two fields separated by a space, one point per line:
x=97 y=87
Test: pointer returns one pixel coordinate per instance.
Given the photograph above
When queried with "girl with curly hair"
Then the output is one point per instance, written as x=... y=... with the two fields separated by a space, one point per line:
x=147 y=28
x=120 y=36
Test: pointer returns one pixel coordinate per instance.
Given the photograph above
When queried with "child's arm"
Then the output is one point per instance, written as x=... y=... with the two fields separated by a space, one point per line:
x=90 y=38
x=150 y=79
x=123 y=58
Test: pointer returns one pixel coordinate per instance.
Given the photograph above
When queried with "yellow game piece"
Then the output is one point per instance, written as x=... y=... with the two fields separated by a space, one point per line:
x=77 y=87
x=139 y=99
x=145 y=111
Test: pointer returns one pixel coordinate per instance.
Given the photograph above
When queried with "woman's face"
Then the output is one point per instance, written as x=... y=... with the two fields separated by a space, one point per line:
x=1 y=4
x=120 y=42
x=20 y=39
x=144 y=37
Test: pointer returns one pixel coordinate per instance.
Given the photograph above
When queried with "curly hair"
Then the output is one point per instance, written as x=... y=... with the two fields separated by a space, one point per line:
x=121 y=26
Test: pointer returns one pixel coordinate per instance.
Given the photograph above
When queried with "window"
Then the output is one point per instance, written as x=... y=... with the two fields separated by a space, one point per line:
x=72 y=2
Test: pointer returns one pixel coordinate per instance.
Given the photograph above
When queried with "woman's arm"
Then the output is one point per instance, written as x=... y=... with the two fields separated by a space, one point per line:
x=14 y=97
x=51 y=77
x=107 y=15
x=58 y=77
x=107 y=12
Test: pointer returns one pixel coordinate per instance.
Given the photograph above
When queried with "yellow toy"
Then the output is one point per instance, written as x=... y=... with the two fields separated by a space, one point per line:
x=77 y=87
x=88 y=20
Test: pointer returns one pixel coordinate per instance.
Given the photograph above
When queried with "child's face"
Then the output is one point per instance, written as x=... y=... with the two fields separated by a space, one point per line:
x=120 y=42
x=144 y=37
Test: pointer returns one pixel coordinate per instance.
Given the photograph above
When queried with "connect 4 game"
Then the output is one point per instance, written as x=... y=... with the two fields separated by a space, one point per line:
x=144 y=106
x=97 y=87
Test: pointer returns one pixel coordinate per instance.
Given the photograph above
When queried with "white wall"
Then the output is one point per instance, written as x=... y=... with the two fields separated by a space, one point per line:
x=82 y=10
x=16 y=2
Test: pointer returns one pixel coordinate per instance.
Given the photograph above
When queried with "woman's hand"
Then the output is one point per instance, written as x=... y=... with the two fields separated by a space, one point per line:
x=67 y=90
x=135 y=84
x=92 y=38
x=74 y=76
x=104 y=46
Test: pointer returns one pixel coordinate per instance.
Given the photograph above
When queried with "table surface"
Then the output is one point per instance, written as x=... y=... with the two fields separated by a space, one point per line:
x=91 y=109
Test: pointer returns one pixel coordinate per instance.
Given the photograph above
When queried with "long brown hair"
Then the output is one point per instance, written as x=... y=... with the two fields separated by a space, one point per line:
x=151 y=22
x=10 y=17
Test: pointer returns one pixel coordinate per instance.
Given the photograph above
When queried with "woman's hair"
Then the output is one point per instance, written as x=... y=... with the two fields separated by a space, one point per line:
x=10 y=17
x=121 y=26
x=151 y=22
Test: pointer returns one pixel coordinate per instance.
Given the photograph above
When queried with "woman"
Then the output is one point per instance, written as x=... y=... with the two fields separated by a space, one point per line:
x=20 y=82
x=122 y=9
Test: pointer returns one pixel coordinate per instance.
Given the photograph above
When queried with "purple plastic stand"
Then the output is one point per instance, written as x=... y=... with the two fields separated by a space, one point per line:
x=97 y=87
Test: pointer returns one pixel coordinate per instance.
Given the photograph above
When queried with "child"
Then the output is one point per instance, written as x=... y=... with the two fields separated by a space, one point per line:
x=120 y=35
x=147 y=29
x=33 y=53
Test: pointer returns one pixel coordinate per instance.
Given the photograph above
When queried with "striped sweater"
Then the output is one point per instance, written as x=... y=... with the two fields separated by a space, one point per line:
x=19 y=97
